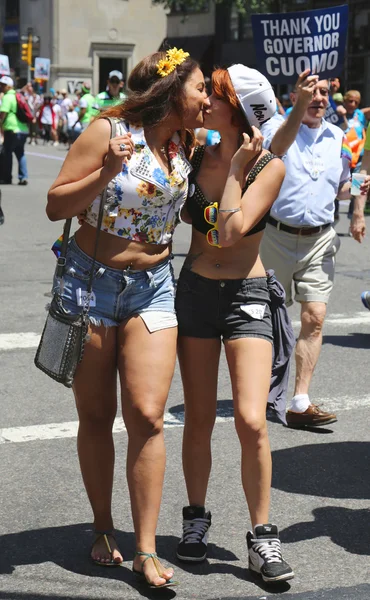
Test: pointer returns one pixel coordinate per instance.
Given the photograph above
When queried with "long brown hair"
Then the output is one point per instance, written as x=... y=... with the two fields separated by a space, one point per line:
x=224 y=89
x=151 y=98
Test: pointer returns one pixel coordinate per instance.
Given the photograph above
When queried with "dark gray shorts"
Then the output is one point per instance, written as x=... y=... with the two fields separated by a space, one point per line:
x=227 y=308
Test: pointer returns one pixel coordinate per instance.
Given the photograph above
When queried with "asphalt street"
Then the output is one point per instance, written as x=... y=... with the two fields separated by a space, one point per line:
x=321 y=483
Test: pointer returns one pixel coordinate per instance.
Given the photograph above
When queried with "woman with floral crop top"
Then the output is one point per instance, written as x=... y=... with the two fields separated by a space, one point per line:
x=132 y=308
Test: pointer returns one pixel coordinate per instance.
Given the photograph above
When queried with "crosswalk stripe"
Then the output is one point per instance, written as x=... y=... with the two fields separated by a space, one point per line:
x=68 y=429
x=13 y=341
x=51 y=431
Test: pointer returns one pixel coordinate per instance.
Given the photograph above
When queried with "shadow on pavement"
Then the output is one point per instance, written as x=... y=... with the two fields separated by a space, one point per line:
x=333 y=470
x=240 y=572
x=359 y=592
x=346 y=527
x=337 y=470
x=54 y=544
x=350 y=340
x=225 y=408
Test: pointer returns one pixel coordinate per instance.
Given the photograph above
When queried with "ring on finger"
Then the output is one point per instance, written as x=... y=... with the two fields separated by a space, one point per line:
x=122 y=147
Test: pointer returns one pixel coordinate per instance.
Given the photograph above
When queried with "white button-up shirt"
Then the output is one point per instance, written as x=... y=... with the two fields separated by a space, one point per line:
x=315 y=168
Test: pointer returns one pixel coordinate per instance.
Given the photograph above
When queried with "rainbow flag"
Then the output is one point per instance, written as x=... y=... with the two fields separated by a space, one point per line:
x=57 y=246
x=346 y=151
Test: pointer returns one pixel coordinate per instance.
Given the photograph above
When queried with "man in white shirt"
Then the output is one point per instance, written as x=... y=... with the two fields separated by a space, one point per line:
x=300 y=243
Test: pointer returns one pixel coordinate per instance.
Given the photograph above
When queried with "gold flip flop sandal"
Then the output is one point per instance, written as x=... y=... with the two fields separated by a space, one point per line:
x=157 y=564
x=104 y=535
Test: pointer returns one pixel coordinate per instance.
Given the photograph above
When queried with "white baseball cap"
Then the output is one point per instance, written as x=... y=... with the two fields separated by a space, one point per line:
x=255 y=94
x=117 y=74
x=7 y=80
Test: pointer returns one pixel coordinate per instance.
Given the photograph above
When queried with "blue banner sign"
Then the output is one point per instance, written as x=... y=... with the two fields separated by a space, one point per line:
x=11 y=34
x=289 y=43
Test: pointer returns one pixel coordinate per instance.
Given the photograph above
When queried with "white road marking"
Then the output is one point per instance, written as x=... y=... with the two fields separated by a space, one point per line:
x=52 y=431
x=45 y=156
x=13 y=341
x=360 y=319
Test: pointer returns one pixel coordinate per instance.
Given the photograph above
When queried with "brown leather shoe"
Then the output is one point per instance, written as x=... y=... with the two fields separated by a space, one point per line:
x=312 y=417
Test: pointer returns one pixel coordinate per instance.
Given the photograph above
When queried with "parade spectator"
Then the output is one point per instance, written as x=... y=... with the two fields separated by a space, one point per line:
x=113 y=93
x=356 y=125
x=223 y=295
x=48 y=120
x=65 y=104
x=15 y=134
x=34 y=102
x=355 y=131
x=73 y=126
x=86 y=104
x=335 y=111
x=285 y=104
x=57 y=109
x=358 y=225
x=300 y=243
x=146 y=171
x=334 y=85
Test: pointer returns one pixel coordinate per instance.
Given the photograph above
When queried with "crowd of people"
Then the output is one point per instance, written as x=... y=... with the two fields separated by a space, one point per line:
x=259 y=194
x=54 y=118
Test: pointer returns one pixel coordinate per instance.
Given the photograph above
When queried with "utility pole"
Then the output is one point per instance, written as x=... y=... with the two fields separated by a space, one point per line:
x=29 y=62
x=27 y=51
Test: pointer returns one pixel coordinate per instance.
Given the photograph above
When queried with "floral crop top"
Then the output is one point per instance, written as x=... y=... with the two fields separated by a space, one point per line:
x=143 y=203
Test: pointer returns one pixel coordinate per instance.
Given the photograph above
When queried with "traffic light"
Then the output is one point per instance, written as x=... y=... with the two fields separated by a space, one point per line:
x=27 y=53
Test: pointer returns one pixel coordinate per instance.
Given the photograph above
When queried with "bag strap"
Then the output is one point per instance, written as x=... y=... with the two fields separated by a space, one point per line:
x=61 y=262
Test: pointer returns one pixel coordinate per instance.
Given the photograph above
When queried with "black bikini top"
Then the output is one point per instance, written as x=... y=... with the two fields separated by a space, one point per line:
x=196 y=201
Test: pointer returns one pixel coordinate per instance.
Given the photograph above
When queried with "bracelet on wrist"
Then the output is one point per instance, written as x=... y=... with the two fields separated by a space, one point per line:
x=229 y=210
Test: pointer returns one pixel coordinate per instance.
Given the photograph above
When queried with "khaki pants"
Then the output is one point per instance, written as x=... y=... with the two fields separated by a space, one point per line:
x=307 y=262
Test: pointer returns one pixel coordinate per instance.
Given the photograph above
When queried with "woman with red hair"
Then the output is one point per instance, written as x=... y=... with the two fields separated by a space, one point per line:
x=223 y=294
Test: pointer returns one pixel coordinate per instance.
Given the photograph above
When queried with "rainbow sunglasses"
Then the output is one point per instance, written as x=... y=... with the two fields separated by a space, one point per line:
x=210 y=216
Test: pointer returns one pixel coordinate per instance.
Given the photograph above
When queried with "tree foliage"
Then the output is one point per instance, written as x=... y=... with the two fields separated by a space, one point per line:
x=243 y=6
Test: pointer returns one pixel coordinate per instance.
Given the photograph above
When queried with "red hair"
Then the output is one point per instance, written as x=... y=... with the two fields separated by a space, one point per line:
x=224 y=89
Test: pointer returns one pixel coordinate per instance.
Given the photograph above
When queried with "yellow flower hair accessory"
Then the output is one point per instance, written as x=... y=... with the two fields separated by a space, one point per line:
x=173 y=58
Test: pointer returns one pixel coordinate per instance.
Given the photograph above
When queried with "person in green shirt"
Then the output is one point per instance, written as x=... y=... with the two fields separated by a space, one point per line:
x=113 y=94
x=86 y=104
x=15 y=134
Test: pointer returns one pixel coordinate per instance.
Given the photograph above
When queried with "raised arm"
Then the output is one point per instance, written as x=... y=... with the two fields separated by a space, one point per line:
x=286 y=134
x=91 y=163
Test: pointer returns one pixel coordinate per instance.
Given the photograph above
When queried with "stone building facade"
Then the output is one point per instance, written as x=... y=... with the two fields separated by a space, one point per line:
x=85 y=39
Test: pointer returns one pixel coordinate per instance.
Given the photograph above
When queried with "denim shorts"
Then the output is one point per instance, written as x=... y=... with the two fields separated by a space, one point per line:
x=119 y=294
x=227 y=308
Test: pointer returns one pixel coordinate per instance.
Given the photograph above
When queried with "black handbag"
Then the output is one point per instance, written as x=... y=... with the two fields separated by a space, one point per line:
x=63 y=338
